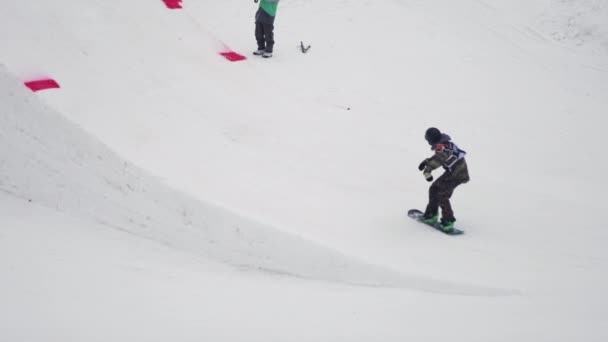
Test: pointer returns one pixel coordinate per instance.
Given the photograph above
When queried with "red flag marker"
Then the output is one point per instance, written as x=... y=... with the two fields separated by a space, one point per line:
x=42 y=84
x=233 y=56
x=173 y=4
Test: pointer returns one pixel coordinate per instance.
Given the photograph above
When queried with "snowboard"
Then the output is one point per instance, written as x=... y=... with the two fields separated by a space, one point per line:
x=417 y=215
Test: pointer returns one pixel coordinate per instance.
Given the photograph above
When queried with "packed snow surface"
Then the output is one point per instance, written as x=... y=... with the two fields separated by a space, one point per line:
x=166 y=193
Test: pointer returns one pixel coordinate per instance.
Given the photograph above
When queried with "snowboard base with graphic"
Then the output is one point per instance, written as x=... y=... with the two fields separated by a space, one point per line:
x=417 y=215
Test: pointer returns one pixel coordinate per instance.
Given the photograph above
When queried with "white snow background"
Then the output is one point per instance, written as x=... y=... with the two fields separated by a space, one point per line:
x=166 y=194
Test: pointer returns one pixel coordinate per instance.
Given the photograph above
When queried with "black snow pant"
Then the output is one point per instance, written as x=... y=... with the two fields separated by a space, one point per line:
x=442 y=189
x=264 y=34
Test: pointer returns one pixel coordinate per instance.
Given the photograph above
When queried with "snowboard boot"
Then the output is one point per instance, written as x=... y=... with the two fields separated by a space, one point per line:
x=430 y=219
x=267 y=54
x=258 y=52
x=447 y=225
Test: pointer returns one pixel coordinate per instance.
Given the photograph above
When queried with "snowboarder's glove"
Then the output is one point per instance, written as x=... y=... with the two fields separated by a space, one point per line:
x=255 y=1
x=423 y=165
x=428 y=176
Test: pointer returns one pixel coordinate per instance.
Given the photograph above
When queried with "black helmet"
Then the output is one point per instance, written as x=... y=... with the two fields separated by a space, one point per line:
x=432 y=136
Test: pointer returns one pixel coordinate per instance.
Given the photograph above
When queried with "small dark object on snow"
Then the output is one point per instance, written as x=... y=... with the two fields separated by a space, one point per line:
x=304 y=49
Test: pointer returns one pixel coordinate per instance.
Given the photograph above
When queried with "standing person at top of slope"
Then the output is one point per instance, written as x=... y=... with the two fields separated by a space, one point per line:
x=264 y=27
x=451 y=158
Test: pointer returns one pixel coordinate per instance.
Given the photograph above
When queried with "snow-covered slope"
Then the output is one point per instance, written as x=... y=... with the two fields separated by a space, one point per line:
x=49 y=161
x=304 y=151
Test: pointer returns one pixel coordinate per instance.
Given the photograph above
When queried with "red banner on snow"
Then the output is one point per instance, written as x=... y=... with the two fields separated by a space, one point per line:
x=233 y=56
x=173 y=4
x=43 y=84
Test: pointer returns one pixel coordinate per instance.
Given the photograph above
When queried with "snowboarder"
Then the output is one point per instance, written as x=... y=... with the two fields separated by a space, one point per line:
x=451 y=158
x=264 y=27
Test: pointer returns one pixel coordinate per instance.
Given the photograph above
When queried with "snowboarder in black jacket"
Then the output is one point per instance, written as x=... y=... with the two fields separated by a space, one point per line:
x=451 y=158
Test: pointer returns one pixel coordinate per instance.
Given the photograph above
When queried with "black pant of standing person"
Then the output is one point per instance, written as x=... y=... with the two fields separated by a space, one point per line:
x=264 y=27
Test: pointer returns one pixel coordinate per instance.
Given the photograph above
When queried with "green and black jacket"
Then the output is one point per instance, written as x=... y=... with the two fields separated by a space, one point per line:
x=267 y=11
x=450 y=157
